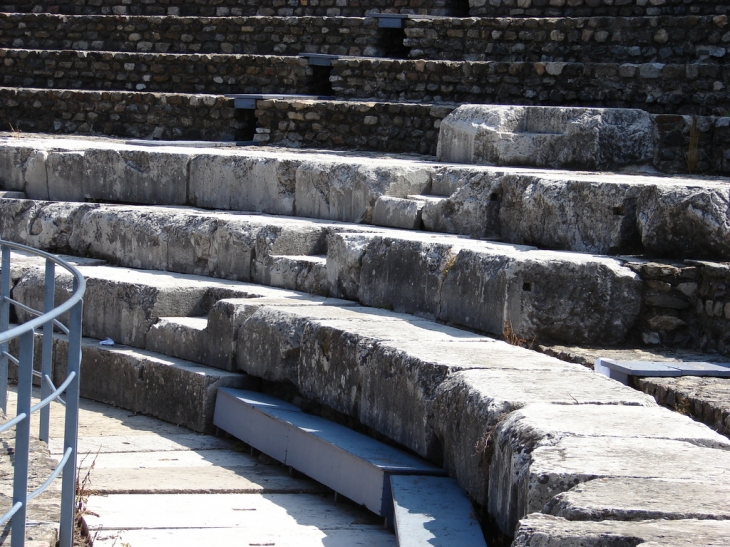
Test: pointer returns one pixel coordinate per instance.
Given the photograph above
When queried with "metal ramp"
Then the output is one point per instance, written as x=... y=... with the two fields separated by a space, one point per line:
x=366 y=471
x=621 y=370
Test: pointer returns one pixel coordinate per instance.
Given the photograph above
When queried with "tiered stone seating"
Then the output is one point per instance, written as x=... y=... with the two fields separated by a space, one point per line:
x=341 y=260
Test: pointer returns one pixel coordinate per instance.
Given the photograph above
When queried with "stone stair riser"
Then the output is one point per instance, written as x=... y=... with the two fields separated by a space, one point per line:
x=236 y=8
x=247 y=35
x=655 y=87
x=629 y=214
x=635 y=40
x=174 y=390
x=171 y=73
x=542 y=295
x=588 y=8
x=354 y=8
x=124 y=113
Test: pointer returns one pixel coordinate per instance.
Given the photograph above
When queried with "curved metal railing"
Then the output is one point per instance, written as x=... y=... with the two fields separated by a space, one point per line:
x=45 y=322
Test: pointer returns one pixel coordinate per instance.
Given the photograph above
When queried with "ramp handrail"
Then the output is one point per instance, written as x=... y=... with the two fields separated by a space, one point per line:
x=25 y=332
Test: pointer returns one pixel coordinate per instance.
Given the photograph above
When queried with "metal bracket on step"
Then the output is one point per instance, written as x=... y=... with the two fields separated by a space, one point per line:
x=247 y=101
x=621 y=370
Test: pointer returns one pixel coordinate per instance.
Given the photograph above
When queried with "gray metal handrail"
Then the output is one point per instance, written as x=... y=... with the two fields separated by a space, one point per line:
x=26 y=334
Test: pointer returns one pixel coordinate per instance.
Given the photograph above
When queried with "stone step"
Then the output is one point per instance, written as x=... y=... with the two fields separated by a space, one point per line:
x=543 y=450
x=485 y=286
x=172 y=34
x=664 y=39
x=585 y=212
x=167 y=116
x=441 y=392
x=174 y=390
x=659 y=88
x=218 y=74
x=525 y=8
x=681 y=533
x=589 y=8
x=236 y=8
x=390 y=126
x=655 y=87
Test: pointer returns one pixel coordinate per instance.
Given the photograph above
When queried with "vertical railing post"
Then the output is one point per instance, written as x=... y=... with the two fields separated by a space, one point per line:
x=68 y=495
x=4 y=324
x=47 y=357
x=22 y=439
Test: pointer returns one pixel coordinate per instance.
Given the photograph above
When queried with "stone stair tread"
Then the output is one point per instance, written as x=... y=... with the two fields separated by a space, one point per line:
x=195 y=323
x=340 y=458
x=433 y=511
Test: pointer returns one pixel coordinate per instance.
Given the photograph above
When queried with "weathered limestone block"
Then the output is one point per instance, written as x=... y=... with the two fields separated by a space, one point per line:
x=567 y=296
x=578 y=138
x=23 y=168
x=691 y=221
x=474 y=289
x=513 y=491
x=123 y=304
x=400 y=381
x=348 y=190
x=398 y=213
x=231 y=181
x=472 y=208
x=403 y=274
x=572 y=460
x=642 y=499
x=171 y=389
x=540 y=294
x=43 y=225
x=471 y=403
x=345 y=253
x=123 y=174
x=181 y=337
x=344 y=364
x=297 y=272
x=547 y=531
x=565 y=211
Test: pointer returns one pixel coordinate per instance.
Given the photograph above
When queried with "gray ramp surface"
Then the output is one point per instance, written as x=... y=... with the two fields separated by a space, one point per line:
x=348 y=462
x=433 y=511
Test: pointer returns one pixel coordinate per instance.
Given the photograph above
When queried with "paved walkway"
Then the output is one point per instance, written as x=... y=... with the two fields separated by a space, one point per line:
x=157 y=484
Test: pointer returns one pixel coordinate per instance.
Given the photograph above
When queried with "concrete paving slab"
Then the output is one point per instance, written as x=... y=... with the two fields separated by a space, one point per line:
x=143 y=443
x=643 y=499
x=242 y=511
x=213 y=479
x=357 y=536
x=181 y=458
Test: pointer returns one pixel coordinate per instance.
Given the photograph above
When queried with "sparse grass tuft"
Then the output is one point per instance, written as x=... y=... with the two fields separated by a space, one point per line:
x=511 y=337
x=82 y=536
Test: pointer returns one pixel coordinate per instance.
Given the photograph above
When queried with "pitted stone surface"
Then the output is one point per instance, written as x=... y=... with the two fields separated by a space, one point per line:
x=547 y=531
x=523 y=437
x=579 y=138
x=642 y=499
